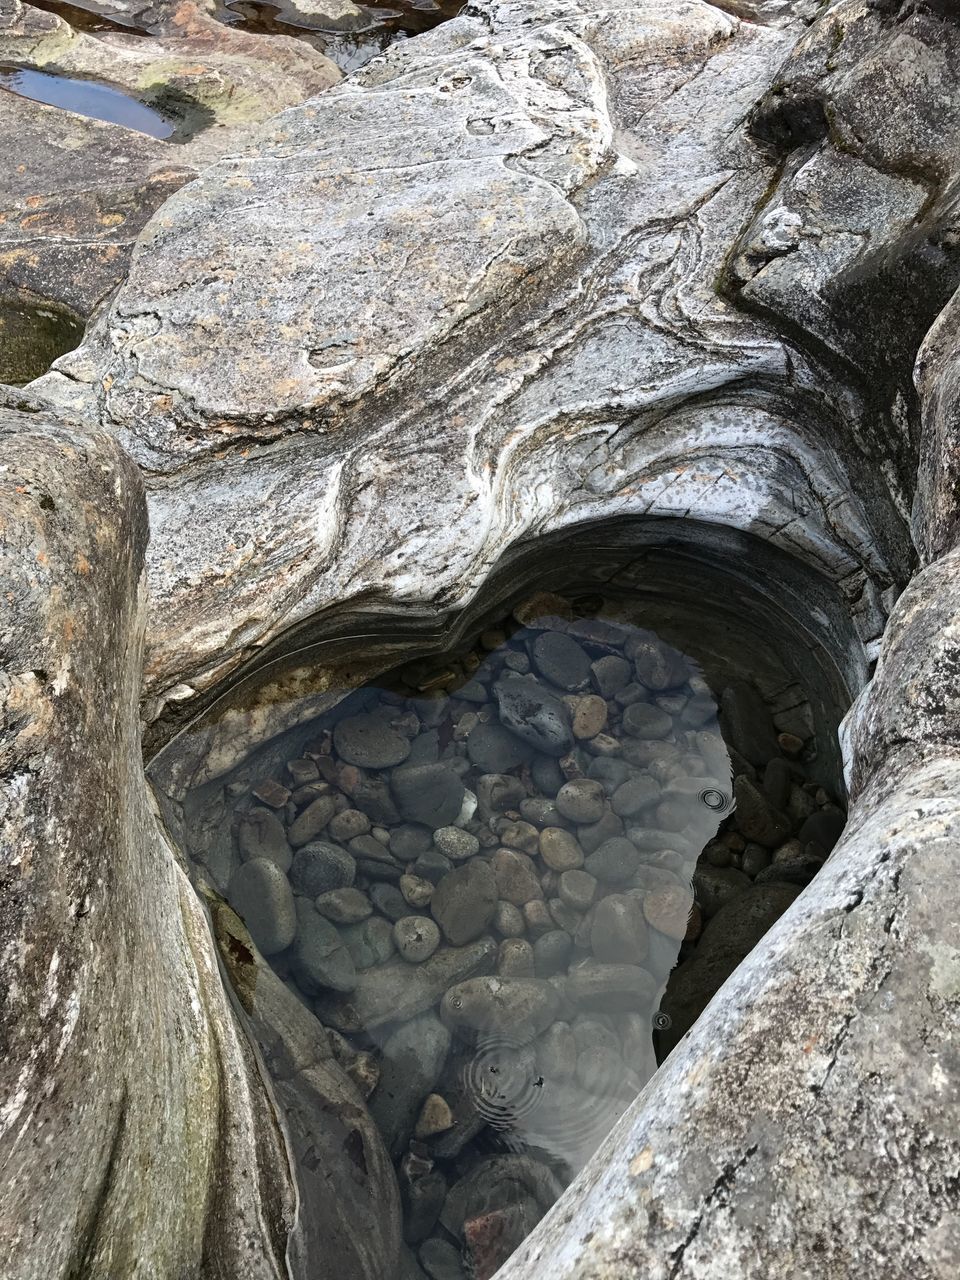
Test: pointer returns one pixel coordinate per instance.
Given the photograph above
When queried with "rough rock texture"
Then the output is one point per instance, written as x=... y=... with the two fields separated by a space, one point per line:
x=555 y=211
x=119 y=1041
x=655 y=266
x=76 y=192
x=345 y=1174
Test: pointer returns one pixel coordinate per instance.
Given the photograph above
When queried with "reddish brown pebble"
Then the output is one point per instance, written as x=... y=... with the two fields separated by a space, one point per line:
x=790 y=744
x=272 y=793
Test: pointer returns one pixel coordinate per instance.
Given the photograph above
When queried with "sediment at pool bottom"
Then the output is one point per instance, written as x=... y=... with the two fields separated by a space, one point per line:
x=505 y=884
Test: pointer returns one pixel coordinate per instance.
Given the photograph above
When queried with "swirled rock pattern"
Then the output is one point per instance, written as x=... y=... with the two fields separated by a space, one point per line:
x=665 y=261
x=373 y=367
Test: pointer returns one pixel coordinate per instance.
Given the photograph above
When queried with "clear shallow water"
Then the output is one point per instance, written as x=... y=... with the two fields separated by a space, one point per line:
x=506 y=881
x=86 y=98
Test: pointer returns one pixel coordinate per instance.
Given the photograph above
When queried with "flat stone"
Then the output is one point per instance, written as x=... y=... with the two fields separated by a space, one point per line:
x=432 y=866
x=417 y=938
x=368 y=741
x=619 y=931
x=396 y=991
x=412 y=1061
x=593 y=834
x=615 y=861
x=430 y=794
x=320 y=961
x=559 y=659
x=546 y=775
x=409 y=840
x=577 y=889
x=610 y=674
x=671 y=910
x=344 y=906
x=540 y=811
x=495 y=1184
x=260 y=894
x=494 y=749
x=370 y=942
x=557 y=1052
x=534 y=715
x=611 y=988
x=261 y=834
x=464 y=902
x=634 y=796
x=610 y=772
x=308 y=825
x=389 y=901
x=508 y=920
x=514 y=1007
x=552 y=952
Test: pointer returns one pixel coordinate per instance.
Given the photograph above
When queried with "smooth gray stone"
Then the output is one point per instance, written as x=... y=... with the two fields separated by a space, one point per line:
x=410 y=1067
x=534 y=715
x=318 y=868
x=512 y=1007
x=464 y=901
x=261 y=834
x=368 y=740
x=396 y=991
x=320 y=961
x=260 y=894
x=494 y=749
x=430 y=794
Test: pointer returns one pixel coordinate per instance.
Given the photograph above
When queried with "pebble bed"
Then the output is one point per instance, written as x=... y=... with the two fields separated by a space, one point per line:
x=507 y=884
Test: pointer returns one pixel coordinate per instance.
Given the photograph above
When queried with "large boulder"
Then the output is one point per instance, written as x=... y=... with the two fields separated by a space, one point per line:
x=132 y=1101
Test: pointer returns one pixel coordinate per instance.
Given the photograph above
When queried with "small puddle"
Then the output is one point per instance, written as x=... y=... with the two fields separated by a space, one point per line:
x=506 y=881
x=85 y=98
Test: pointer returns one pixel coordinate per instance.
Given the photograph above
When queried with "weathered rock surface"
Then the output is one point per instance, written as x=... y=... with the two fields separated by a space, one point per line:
x=111 y=982
x=76 y=192
x=657 y=267
x=562 y=318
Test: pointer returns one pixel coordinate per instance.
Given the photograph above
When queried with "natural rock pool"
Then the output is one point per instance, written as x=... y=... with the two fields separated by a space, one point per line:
x=86 y=98
x=501 y=883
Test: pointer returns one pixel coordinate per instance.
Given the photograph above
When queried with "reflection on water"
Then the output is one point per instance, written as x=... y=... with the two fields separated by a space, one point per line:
x=86 y=98
x=480 y=875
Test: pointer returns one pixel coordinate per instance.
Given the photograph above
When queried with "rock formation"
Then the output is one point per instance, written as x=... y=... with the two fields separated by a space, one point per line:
x=554 y=288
